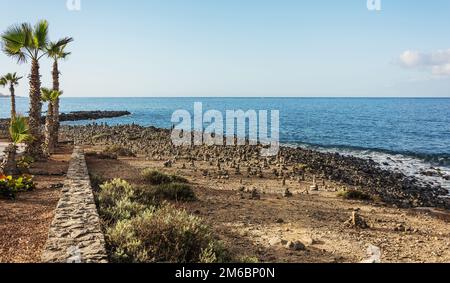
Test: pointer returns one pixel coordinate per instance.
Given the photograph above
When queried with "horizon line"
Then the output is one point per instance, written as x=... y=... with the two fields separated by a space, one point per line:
x=255 y=97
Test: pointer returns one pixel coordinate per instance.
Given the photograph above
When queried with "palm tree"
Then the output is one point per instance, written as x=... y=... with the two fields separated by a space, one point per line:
x=11 y=80
x=57 y=52
x=49 y=96
x=24 y=42
x=20 y=133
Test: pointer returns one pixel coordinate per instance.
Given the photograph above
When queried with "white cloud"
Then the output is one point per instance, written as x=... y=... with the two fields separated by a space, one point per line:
x=437 y=61
x=443 y=70
x=411 y=59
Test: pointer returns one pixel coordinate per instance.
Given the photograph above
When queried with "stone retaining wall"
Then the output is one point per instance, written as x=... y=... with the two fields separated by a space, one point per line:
x=75 y=234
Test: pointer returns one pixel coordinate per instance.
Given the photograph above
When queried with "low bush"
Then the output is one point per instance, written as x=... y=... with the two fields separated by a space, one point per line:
x=96 y=181
x=163 y=234
x=10 y=186
x=352 y=194
x=25 y=162
x=153 y=177
x=124 y=209
x=215 y=253
x=101 y=155
x=248 y=259
x=178 y=179
x=113 y=200
x=151 y=195
x=119 y=151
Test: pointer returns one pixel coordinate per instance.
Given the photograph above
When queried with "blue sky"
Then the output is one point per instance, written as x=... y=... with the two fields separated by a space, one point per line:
x=244 y=47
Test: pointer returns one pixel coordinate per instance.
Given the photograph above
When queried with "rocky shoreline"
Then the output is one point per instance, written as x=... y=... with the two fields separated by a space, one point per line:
x=293 y=164
x=73 y=116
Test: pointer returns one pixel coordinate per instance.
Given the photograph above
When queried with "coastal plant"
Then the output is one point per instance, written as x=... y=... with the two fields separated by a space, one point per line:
x=171 y=191
x=163 y=234
x=12 y=80
x=57 y=52
x=24 y=42
x=113 y=191
x=122 y=210
x=352 y=194
x=10 y=186
x=24 y=163
x=248 y=259
x=119 y=151
x=96 y=181
x=153 y=177
x=215 y=252
x=49 y=96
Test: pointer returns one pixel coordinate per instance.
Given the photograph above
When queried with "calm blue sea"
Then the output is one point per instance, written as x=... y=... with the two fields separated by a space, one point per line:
x=395 y=128
x=416 y=126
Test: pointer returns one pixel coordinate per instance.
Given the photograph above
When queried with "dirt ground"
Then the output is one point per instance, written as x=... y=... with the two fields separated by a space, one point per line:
x=24 y=223
x=255 y=228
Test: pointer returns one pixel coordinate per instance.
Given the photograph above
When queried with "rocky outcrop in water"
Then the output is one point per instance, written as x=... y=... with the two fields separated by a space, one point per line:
x=92 y=115
x=293 y=163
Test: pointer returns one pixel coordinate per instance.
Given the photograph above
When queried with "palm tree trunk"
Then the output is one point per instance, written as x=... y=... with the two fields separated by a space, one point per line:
x=9 y=165
x=49 y=147
x=13 y=102
x=56 y=125
x=34 y=147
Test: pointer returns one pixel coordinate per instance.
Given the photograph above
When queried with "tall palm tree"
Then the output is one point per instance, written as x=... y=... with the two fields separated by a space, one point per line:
x=49 y=96
x=57 y=52
x=24 y=42
x=11 y=80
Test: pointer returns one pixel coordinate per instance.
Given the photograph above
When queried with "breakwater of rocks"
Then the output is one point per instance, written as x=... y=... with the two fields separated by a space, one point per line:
x=363 y=174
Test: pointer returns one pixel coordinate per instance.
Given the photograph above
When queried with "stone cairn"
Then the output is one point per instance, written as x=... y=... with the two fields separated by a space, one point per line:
x=331 y=168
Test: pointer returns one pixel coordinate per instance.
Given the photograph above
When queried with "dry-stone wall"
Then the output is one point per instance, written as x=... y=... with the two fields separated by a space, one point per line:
x=75 y=235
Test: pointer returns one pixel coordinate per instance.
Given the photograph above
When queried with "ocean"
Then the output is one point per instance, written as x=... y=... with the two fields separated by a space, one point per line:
x=406 y=134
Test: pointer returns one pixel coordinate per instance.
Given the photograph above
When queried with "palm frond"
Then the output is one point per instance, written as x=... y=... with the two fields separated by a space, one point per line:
x=40 y=35
x=56 y=94
x=56 y=51
x=19 y=130
x=15 y=40
x=10 y=78
x=46 y=94
x=27 y=31
x=64 y=41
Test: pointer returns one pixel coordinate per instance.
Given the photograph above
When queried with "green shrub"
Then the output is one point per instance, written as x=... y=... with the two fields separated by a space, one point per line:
x=122 y=210
x=248 y=259
x=153 y=177
x=160 y=235
x=10 y=186
x=172 y=191
x=352 y=194
x=25 y=162
x=178 y=179
x=119 y=151
x=114 y=203
x=215 y=253
x=96 y=181
x=113 y=191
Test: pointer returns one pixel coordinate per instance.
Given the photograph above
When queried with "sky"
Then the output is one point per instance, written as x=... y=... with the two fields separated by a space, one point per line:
x=320 y=48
